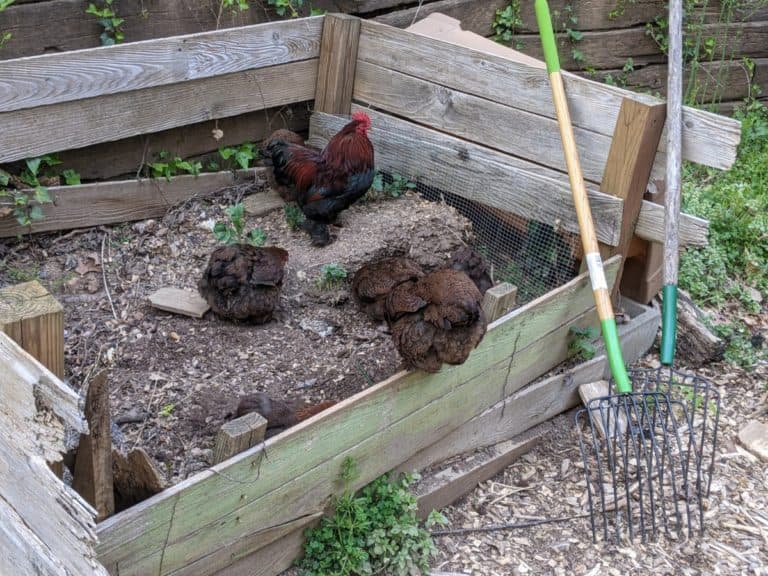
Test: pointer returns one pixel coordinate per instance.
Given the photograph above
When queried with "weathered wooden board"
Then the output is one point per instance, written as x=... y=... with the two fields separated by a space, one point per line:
x=54 y=78
x=478 y=120
x=379 y=427
x=179 y=301
x=44 y=129
x=45 y=527
x=475 y=16
x=109 y=202
x=336 y=68
x=238 y=435
x=708 y=138
x=498 y=180
x=124 y=157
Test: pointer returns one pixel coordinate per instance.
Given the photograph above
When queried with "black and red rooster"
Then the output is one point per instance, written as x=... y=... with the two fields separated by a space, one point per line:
x=325 y=183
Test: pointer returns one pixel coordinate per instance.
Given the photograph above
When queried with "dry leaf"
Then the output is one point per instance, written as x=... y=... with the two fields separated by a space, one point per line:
x=90 y=263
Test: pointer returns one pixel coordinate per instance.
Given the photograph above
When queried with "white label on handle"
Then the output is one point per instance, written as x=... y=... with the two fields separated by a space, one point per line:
x=596 y=273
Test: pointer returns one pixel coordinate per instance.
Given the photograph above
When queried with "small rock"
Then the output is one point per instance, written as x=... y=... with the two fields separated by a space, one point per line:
x=754 y=437
x=306 y=383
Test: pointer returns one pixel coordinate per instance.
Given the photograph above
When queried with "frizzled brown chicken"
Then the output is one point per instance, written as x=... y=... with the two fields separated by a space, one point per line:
x=243 y=282
x=284 y=187
x=437 y=319
x=280 y=414
x=374 y=281
x=469 y=260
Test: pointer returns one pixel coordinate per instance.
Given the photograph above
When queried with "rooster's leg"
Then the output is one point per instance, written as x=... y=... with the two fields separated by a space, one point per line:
x=319 y=232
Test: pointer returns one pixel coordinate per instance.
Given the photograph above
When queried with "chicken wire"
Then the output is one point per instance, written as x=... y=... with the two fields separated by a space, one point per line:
x=534 y=256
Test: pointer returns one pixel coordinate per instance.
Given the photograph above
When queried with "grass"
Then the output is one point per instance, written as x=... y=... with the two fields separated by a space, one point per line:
x=733 y=268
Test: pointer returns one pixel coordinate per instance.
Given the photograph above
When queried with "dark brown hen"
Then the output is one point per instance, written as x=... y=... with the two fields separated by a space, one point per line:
x=437 y=319
x=373 y=282
x=242 y=282
x=280 y=414
x=469 y=260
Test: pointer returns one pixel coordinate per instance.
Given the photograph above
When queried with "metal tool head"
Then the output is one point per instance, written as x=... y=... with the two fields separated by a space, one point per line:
x=647 y=460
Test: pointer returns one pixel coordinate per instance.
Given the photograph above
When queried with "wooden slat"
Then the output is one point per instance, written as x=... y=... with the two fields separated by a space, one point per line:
x=475 y=172
x=498 y=180
x=478 y=120
x=413 y=408
x=110 y=202
x=53 y=78
x=44 y=129
x=336 y=68
x=708 y=139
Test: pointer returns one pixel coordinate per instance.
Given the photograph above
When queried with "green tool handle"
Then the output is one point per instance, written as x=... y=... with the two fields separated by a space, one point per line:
x=581 y=202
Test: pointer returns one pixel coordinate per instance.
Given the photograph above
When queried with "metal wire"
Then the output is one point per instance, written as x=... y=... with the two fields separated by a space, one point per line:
x=649 y=456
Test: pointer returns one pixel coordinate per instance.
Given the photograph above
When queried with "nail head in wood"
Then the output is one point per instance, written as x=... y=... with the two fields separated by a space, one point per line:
x=238 y=435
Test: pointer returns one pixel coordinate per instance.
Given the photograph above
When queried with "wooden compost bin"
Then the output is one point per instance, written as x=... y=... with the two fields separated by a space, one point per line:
x=433 y=102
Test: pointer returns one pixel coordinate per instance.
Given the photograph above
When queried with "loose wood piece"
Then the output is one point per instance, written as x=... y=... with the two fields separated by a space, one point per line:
x=630 y=161
x=42 y=130
x=135 y=478
x=754 y=437
x=264 y=203
x=45 y=527
x=709 y=139
x=600 y=389
x=238 y=435
x=497 y=180
x=62 y=77
x=122 y=201
x=34 y=318
x=379 y=427
x=93 y=463
x=439 y=488
x=696 y=344
x=336 y=67
x=499 y=300
x=179 y=301
x=474 y=17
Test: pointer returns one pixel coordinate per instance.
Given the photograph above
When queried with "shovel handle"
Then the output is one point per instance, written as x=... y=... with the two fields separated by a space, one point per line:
x=581 y=202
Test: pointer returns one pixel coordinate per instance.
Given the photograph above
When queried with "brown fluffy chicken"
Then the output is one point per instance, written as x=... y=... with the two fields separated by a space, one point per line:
x=280 y=414
x=325 y=183
x=242 y=282
x=437 y=319
x=469 y=260
x=374 y=281
x=284 y=187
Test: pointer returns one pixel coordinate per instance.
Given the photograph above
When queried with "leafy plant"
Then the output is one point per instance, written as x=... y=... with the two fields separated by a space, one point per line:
x=167 y=410
x=232 y=232
x=376 y=532
x=242 y=155
x=109 y=20
x=5 y=36
x=290 y=7
x=507 y=23
x=293 y=215
x=331 y=276
x=389 y=186
x=25 y=208
x=71 y=177
x=168 y=167
x=581 y=347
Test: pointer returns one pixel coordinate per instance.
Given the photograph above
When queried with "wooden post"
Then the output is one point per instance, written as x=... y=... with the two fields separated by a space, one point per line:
x=628 y=168
x=238 y=435
x=336 y=67
x=34 y=319
x=499 y=300
x=643 y=275
x=93 y=464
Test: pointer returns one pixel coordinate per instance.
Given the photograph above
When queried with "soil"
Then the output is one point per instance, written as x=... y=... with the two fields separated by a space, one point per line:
x=175 y=379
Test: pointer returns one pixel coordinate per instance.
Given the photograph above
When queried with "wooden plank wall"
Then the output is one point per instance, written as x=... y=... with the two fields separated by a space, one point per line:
x=221 y=515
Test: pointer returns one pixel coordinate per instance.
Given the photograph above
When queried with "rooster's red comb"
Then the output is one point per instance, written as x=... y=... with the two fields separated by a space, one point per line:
x=361 y=117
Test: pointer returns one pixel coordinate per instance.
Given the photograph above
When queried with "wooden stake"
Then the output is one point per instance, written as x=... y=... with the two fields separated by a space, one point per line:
x=135 y=478
x=628 y=168
x=338 y=58
x=238 y=435
x=33 y=318
x=499 y=300
x=93 y=463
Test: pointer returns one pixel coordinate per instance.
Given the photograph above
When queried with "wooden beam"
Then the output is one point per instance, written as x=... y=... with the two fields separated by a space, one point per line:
x=93 y=463
x=35 y=320
x=496 y=179
x=643 y=276
x=238 y=435
x=65 y=125
x=63 y=77
x=630 y=161
x=708 y=138
x=122 y=201
x=498 y=300
x=336 y=68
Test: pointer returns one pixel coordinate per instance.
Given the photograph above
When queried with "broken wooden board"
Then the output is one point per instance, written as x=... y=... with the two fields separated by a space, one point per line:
x=754 y=437
x=179 y=301
x=262 y=203
x=135 y=478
